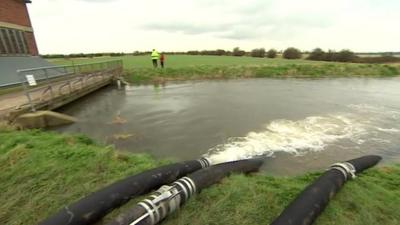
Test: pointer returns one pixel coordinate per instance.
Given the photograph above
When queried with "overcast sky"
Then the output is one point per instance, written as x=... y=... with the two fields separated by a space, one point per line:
x=76 y=26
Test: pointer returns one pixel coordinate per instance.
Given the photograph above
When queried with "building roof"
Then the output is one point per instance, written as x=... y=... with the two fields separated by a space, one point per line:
x=10 y=65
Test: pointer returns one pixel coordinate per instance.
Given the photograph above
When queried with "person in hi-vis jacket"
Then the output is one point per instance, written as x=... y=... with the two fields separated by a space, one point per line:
x=154 y=57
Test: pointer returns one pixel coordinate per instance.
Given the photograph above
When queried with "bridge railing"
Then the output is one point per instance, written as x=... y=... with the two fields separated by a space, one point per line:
x=43 y=84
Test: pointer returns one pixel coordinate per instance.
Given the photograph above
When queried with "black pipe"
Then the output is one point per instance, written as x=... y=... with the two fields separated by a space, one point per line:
x=169 y=198
x=93 y=207
x=312 y=201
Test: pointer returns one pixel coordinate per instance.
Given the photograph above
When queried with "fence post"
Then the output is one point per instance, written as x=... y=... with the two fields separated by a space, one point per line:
x=51 y=94
x=47 y=75
x=26 y=90
x=30 y=101
x=70 y=87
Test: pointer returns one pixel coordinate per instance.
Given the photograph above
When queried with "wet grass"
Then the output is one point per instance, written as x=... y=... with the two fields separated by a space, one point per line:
x=325 y=70
x=41 y=172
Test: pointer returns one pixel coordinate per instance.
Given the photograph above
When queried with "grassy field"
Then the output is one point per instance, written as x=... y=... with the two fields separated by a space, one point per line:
x=41 y=172
x=179 y=61
x=138 y=69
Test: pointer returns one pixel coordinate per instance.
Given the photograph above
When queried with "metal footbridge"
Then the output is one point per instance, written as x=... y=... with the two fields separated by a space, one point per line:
x=47 y=88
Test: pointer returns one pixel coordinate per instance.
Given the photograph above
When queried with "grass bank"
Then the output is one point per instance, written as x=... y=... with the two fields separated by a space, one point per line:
x=43 y=171
x=145 y=75
x=138 y=69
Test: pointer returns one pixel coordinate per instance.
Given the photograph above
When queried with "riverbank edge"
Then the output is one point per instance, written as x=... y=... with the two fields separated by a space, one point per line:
x=325 y=70
x=306 y=69
x=42 y=171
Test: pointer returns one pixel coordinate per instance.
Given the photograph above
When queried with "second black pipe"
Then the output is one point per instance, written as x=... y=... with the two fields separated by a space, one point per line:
x=312 y=201
x=170 y=197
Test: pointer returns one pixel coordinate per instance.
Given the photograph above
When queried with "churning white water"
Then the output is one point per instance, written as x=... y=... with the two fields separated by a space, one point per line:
x=362 y=123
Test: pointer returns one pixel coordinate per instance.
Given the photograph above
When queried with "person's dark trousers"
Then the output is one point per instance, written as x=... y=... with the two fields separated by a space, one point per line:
x=155 y=63
x=162 y=64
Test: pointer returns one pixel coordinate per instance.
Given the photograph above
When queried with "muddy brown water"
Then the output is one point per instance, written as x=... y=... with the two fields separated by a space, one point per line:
x=297 y=124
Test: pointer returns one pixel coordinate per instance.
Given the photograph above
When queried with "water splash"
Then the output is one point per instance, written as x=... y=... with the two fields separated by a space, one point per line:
x=310 y=134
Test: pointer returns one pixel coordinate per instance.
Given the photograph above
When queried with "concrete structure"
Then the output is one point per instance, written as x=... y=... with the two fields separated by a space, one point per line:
x=42 y=119
x=16 y=32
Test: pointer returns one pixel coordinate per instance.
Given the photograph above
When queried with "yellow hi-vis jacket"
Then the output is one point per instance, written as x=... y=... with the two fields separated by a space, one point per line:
x=155 y=55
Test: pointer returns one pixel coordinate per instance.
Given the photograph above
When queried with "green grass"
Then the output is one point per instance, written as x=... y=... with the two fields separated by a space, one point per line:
x=145 y=75
x=179 y=61
x=138 y=69
x=40 y=172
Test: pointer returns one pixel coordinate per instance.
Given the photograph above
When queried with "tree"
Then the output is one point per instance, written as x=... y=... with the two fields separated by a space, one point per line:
x=193 y=52
x=272 y=53
x=345 y=56
x=220 y=52
x=317 y=54
x=330 y=56
x=386 y=54
x=238 y=52
x=204 y=52
x=292 y=53
x=258 y=52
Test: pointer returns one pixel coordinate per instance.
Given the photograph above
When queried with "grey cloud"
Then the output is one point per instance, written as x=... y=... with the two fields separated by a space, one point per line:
x=187 y=28
x=271 y=32
x=239 y=35
x=238 y=19
x=247 y=20
x=247 y=28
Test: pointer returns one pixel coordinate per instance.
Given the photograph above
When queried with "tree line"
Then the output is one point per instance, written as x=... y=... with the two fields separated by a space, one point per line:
x=272 y=53
x=317 y=54
x=346 y=55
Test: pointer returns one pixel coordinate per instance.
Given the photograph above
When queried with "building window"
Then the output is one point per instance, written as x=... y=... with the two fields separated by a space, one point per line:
x=14 y=45
x=12 y=42
x=3 y=49
x=5 y=40
x=21 y=42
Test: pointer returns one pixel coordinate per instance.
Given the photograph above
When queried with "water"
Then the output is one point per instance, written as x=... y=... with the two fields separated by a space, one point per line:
x=299 y=125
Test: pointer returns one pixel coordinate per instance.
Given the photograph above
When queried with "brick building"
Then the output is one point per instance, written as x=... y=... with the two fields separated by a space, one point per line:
x=16 y=33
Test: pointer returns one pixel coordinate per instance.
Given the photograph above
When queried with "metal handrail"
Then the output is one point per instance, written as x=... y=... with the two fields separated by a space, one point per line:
x=52 y=75
x=64 y=66
x=14 y=84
